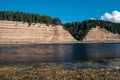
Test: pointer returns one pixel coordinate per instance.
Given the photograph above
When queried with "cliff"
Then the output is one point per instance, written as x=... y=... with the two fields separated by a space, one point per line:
x=99 y=34
x=11 y=31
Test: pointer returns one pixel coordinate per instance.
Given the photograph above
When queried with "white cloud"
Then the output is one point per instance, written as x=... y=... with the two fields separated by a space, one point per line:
x=91 y=18
x=113 y=17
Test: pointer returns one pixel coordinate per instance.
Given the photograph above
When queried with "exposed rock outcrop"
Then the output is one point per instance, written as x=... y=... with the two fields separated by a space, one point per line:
x=11 y=31
x=99 y=34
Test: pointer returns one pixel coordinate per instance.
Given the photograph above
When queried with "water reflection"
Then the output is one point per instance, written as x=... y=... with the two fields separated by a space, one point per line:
x=58 y=52
x=103 y=51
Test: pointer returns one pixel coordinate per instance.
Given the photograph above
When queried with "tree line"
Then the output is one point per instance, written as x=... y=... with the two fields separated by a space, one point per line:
x=80 y=29
x=28 y=17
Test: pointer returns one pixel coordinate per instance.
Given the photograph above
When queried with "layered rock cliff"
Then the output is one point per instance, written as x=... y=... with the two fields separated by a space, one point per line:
x=99 y=34
x=11 y=31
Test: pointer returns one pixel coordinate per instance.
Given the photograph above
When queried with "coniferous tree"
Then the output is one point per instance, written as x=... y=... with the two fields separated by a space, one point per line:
x=80 y=29
x=28 y=17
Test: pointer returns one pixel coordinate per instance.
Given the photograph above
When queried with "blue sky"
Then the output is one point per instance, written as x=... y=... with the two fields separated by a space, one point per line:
x=66 y=10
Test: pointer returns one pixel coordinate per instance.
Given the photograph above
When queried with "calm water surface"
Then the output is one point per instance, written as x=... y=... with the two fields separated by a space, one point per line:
x=60 y=53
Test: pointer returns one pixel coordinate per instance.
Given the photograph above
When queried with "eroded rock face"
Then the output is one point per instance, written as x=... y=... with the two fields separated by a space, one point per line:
x=11 y=31
x=99 y=34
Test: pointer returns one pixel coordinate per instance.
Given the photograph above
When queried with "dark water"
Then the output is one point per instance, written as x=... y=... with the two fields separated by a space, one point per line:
x=60 y=53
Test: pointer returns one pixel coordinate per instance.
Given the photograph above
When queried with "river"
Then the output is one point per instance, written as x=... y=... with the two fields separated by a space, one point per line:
x=105 y=53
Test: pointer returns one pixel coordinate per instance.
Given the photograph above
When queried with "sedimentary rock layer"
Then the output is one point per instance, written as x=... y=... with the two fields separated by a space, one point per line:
x=99 y=34
x=11 y=31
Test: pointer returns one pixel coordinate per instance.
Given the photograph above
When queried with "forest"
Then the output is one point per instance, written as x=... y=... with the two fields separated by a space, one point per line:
x=80 y=29
x=28 y=17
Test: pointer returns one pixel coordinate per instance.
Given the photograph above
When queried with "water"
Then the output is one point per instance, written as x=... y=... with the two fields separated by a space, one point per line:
x=104 y=53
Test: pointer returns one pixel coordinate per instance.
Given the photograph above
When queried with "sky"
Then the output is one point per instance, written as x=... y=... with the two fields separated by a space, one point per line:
x=67 y=10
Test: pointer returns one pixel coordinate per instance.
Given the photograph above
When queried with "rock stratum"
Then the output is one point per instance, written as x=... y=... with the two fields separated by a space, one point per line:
x=101 y=35
x=19 y=32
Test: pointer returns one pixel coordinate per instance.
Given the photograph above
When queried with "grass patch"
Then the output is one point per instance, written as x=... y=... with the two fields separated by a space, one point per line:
x=54 y=71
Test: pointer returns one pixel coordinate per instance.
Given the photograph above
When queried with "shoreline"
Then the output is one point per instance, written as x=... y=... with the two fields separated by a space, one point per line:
x=55 y=71
x=89 y=42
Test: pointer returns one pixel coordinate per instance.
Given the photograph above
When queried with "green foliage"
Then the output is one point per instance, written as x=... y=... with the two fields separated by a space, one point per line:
x=80 y=29
x=77 y=29
x=56 y=21
x=28 y=17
